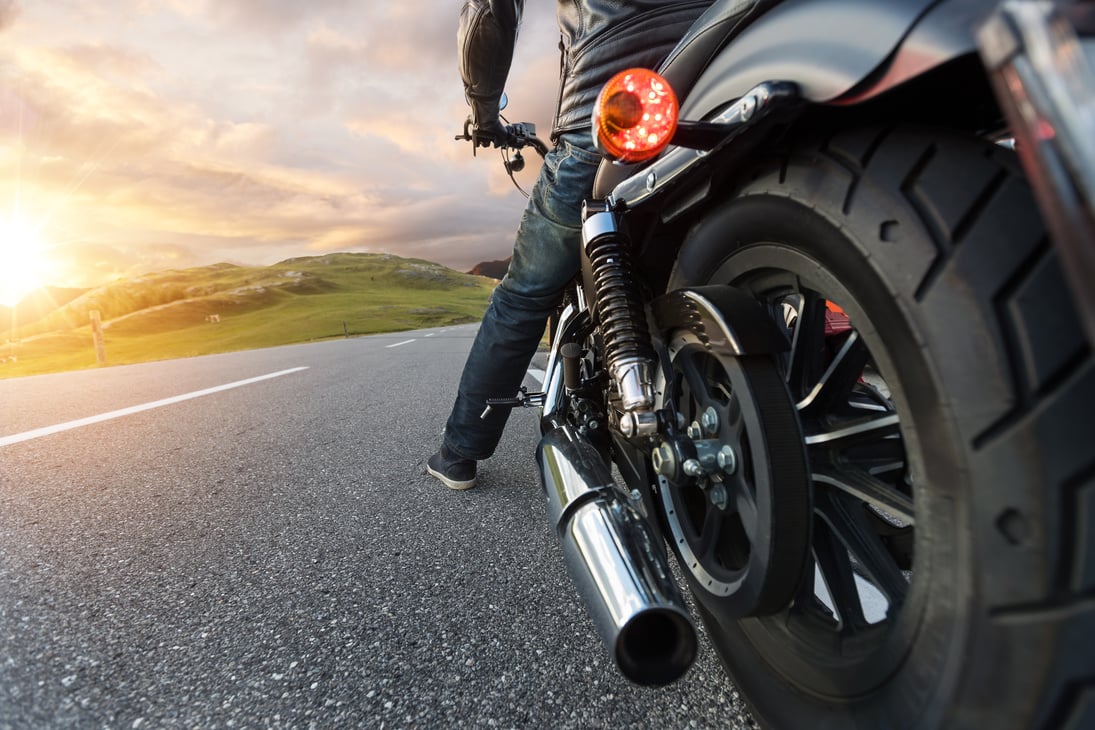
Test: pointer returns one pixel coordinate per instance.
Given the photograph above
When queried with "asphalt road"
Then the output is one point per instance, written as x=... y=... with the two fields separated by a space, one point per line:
x=274 y=555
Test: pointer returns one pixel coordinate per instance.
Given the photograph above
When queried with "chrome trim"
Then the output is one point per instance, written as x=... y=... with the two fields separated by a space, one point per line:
x=1059 y=80
x=597 y=225
x=1043 y=72
x=638 y=423
x=553 y=380
x=617 y=562
x=678 y=160
x=635 y=377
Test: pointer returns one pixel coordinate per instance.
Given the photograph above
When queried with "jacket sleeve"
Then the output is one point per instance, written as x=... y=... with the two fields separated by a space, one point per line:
x=486 y=36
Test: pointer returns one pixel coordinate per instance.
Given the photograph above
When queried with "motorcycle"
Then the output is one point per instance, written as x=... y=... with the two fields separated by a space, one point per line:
x=832 y=348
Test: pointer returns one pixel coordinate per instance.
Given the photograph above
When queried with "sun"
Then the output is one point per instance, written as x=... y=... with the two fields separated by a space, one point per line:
x=24 y=263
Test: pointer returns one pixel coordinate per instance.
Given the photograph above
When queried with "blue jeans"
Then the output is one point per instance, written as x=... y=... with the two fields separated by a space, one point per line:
x=546 y=256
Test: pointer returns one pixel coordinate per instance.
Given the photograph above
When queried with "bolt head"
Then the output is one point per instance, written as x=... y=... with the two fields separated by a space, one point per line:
x=710 y=421
x=726 y=459
x=718 y=496
x=662 y=460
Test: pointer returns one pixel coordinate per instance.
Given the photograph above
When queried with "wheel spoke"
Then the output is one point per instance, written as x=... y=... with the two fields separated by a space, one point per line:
x=879 y=457
x=833 y=389
x=867 y=488
x=685 y=397
x=849 y=522
x=710 y=533
x=807 y=345
x=836 y=570
x=697 y=390
x=858 y=431
x=806 y=595
x=746 y=507
x=732 y=420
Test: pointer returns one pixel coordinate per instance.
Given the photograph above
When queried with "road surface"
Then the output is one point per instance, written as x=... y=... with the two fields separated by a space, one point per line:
x=250 y=540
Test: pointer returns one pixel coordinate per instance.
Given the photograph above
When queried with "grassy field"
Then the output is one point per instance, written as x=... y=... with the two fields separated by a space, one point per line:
x=225 y=307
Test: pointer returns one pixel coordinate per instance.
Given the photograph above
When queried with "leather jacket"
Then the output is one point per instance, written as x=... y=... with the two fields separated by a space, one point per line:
x=598 y=39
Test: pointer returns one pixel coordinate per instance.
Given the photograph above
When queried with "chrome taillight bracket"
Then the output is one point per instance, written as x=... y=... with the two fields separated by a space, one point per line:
x=694 y=140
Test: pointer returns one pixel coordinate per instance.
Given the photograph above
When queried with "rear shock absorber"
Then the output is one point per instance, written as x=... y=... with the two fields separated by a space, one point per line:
x=618 y=310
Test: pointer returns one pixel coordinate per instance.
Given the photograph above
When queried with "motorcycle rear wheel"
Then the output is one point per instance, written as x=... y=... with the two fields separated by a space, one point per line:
x=948 y=315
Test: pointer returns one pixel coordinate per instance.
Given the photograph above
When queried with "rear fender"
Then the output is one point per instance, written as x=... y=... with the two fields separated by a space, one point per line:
x=838 y=51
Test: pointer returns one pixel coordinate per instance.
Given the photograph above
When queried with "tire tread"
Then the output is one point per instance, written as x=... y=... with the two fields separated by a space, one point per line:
x=1031 y=402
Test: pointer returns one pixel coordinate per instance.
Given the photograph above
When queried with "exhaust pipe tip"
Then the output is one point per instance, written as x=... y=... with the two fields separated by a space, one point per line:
x=656 y=647
x=618 y=563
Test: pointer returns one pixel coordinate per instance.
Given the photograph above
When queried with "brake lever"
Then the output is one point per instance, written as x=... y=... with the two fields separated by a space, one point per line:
x=468 y=135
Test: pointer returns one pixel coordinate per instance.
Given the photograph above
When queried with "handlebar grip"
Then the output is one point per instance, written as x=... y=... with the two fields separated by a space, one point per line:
x=518 y=136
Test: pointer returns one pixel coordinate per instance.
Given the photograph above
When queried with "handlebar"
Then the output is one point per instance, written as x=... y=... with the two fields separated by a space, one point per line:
x=518 y=136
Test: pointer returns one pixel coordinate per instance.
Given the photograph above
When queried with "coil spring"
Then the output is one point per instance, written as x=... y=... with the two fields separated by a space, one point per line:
x=617 y=305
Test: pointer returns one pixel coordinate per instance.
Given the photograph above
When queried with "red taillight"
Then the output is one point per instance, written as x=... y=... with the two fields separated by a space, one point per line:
x=635 y=116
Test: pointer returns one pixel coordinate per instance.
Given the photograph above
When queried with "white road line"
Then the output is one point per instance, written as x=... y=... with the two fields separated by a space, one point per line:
x=404 y=342
x=48 y=430
x=537 y=374
x=431 y=334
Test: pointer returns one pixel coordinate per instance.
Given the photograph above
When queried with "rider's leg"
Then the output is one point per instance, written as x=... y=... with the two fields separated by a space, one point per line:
x=545 y=258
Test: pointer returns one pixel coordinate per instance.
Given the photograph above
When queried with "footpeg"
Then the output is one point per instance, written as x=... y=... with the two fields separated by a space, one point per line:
x=524 y=399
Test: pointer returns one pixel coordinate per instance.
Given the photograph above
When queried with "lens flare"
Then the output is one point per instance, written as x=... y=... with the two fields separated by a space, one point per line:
x=24 y=265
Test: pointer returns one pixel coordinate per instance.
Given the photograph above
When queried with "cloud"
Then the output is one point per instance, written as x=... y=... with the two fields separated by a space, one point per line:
x=9 y=12
x=264 y=16
x=92 y=263
x=178 y=132
x=113 y=60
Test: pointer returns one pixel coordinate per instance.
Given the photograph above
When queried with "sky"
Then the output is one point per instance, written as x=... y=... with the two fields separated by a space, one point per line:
x=140 y=135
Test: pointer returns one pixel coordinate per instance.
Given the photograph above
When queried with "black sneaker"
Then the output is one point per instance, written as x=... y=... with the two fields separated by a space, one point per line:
x=453 y=471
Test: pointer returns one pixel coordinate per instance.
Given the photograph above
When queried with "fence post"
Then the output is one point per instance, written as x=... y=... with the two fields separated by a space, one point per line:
x=97 y=336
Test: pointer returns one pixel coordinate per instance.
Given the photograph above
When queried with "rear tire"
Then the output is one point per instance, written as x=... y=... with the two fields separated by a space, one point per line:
x=932 y=247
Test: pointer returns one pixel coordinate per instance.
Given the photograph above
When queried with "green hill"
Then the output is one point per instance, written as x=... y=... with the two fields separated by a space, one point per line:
x=36 y=305
x=198 y=311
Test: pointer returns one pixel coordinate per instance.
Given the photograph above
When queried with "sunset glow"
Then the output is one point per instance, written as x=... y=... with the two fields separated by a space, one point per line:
x=24 y=262
x=155 y=134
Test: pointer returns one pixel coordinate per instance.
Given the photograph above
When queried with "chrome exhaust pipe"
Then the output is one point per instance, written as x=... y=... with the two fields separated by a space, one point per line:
x=617 y=562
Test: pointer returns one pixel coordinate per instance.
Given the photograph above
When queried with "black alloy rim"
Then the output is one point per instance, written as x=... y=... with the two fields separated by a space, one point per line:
x=863 y=507
x=851 y=622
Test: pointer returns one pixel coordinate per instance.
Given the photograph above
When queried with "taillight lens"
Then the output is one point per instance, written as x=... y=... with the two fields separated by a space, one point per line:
x=635 y=116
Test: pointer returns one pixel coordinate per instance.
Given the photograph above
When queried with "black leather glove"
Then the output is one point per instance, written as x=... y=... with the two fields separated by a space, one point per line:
x=488 y=30
x=490 y=132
